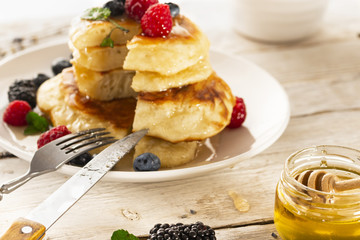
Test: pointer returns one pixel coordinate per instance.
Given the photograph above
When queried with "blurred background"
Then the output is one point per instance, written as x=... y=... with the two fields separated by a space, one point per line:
x=23 y=16
x=36 y=21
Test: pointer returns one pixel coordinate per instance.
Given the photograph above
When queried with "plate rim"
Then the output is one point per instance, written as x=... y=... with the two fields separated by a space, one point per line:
x=168 y=174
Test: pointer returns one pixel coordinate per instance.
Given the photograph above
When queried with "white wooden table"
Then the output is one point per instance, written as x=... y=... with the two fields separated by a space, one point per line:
x=321 y=76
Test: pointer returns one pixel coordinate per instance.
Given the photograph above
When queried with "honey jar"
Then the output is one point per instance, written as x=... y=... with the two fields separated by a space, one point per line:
x=304 y=213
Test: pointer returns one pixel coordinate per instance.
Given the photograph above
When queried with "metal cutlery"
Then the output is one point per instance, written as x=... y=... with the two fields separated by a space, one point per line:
x=56 y=153
x=34 y=225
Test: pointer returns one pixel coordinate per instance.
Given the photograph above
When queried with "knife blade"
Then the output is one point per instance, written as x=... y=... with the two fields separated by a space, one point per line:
x=34 y=225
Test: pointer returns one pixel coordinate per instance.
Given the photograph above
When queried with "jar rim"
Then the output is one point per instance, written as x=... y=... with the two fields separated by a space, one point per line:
x=297 y=184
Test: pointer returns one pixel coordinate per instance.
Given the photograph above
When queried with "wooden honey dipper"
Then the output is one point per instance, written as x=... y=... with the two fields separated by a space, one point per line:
x=326 y=182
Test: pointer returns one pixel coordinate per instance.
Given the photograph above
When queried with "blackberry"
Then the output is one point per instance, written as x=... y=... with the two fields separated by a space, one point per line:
x=174 y=9
x=116 y=8
x=24 y=90
x=40 y=79
x=81 y=160
x=195 y=231
x=146 y=162
x=59 y=64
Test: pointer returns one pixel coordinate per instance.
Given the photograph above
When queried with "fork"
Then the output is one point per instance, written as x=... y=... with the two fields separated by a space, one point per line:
x=56 y=153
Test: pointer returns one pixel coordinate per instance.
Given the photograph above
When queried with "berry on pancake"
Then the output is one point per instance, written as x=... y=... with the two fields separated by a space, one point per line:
x=136 y=8
x=157 y=21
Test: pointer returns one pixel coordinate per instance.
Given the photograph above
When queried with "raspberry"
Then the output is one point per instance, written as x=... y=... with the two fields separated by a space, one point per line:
x=52 y=134
x=239 y=114
x=157 y=21
x=15 y=113
x=136 y=8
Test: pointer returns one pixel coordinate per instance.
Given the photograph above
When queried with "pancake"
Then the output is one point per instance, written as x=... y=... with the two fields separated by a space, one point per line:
x=62 y=103
x=59 y=99
x=183 y=47
x=170 y=154
x=100 y=58
x=179 y=97
x=155 y=82
x=104 y=86
x=189 y=113
x=85 y=33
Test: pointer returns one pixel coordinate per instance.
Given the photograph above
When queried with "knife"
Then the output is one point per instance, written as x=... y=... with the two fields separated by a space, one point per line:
x=34 y=225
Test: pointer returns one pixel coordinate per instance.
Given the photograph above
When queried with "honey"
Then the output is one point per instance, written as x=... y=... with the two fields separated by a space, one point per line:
x=105 y=110
x=302 y=213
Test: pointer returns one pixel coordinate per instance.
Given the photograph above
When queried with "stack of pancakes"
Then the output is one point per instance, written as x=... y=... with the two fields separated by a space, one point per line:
x=174 y=91
x=99 y=72
x=96 y=91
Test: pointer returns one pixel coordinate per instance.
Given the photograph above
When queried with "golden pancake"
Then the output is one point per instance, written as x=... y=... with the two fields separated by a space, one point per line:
x=104 y=86
x=100 y=58
x=61 y=101
x=155 y=82
x=170 y=154
x=183 y=47
x=178 y=96
x=189 y=113
x=85 y=33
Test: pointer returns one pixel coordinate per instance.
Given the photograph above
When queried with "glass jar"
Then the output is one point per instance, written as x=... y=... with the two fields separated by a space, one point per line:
x=303 y=213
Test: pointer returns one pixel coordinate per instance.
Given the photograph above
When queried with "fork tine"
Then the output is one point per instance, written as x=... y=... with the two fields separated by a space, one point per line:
x=81 y=138
x=97 y=142
x=84 y=141
x=75 y=135
x=71 y=155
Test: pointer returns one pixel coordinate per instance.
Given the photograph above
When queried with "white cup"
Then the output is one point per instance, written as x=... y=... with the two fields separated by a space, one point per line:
x=279 y=20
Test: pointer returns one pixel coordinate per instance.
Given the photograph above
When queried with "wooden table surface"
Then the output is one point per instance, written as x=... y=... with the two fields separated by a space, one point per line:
x=321 y=76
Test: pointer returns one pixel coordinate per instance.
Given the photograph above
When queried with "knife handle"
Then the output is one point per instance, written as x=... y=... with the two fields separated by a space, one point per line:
x=23 y=229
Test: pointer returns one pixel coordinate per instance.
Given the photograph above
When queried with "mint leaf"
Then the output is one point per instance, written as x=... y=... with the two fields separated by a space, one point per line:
x=39 y=122
x=118 y=26
x=96 y=13
x=30 y=130
x=36 y=123
x=123 y=235
x=107 y=42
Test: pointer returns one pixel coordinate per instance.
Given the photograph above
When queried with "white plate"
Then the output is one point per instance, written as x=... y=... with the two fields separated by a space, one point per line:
x=267 y=104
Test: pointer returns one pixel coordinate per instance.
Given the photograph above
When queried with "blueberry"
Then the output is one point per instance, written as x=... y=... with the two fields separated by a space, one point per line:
x=40 y=79
x=59 y=64
x=116 y=7
x=23 y=90
x=81 y=160
x=147 y=162
x=174 y=9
